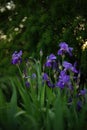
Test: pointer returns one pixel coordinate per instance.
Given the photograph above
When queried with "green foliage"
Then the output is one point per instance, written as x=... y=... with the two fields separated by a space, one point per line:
x=36 y=25
x=31 y=26
x=38 y=107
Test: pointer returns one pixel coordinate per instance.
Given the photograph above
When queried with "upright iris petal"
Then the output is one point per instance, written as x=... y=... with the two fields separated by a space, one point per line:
x=64 y=48
x=16 y=57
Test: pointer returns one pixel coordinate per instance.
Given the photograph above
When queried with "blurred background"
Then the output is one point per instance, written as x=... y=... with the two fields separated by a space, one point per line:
x=34 y=25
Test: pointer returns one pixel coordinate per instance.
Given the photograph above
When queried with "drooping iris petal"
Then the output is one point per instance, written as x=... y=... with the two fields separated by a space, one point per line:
x=74 y=70
x=69 y=66
x=83 y=92
x=60 y=52
x=45 y=77
x=48 y=63
x=51 y=85
x=60 y=84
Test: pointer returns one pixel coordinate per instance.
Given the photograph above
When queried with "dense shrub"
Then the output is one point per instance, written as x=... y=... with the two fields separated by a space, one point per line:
x=36 y=25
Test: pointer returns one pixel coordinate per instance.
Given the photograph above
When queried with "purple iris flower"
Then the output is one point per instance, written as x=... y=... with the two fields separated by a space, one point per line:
x=27 y=84
x=48 y=82
x=51 y=85
x=62 y=73
x=60 y=84
x=83 y=92
x=48 y=64
x=51 y=58
x=45 y=77
x=16 y=57
x=64 y=48
x=33 y=76
x=79 y=105
x=63 y=77
x=69 y=66
x=64 y=80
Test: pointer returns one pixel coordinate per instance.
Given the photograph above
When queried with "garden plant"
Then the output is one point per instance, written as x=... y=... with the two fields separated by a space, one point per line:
x=45 y=95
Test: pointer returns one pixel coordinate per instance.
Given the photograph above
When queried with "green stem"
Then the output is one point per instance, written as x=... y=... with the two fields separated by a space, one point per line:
x=21 y=74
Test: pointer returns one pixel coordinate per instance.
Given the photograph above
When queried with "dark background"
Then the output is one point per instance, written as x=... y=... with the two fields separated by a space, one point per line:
x=32 y=25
